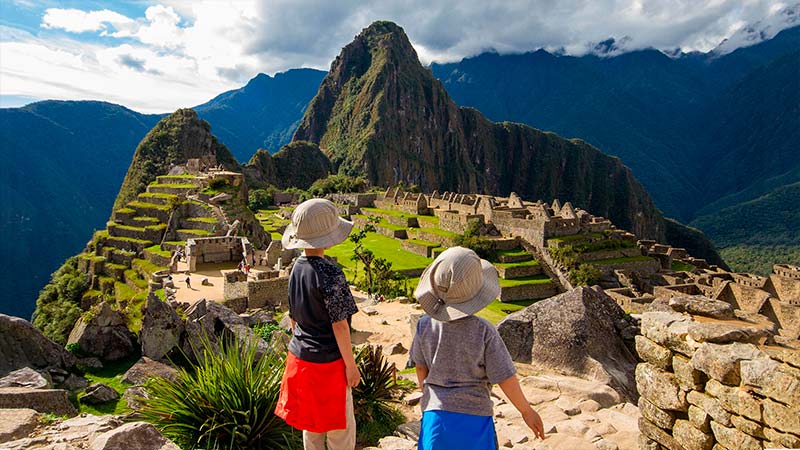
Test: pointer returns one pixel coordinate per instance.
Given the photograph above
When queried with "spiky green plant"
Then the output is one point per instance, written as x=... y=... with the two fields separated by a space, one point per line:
x=378 y=391
x=226 y=401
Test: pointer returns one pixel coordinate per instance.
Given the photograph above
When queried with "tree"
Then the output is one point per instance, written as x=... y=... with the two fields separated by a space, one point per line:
x=363 y=254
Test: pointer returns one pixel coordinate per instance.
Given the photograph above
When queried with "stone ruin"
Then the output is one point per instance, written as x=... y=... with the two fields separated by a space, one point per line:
x=217 y=249
x=408 y=202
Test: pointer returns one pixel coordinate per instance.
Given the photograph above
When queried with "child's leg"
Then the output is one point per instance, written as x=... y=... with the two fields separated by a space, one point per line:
x=313 y=441
x=344 y=439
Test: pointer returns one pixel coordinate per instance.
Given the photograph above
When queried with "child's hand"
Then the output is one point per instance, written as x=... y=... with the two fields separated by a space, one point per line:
x=534 y=422
x=353 y=375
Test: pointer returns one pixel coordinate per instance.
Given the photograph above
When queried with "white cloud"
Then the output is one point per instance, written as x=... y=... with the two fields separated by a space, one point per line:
x=77 y=21
x=183 y=53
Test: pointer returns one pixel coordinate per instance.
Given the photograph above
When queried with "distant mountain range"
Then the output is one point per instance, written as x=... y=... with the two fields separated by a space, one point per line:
x=702 y=132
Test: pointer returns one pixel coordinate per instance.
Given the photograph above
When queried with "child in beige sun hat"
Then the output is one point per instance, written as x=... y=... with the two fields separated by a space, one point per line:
x=458 y=356
x=320 y=369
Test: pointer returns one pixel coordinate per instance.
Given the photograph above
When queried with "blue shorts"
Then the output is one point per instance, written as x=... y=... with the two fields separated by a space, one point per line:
x=445 y=430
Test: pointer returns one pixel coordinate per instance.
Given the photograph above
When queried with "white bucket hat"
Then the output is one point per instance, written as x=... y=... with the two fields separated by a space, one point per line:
x=316 y=224
x=457 y=284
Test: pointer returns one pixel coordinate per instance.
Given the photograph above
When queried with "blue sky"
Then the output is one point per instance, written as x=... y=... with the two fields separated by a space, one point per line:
x=156 y=56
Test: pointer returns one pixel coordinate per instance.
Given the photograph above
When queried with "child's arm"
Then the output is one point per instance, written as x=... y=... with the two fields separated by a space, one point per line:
x=341 y=330
x=510 y=387
x=422 y=373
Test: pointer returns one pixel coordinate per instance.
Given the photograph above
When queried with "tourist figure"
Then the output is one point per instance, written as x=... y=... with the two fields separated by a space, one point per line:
x=188 y=281
x=241 y=265
x=254 y=259
x=458 y=356
x=320 y=368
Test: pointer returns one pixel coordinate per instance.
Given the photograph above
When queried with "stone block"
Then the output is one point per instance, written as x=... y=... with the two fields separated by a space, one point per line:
x=25 y=377
x=723 y=333
x=711 y=406
x=653 y=353
x=645 y=443
x=747 y=426
x=134 y=435
x=735 y=400
x=660 y=418
x=722 y=362
x=53 y=401
x=690 y=438
x=778 y=439
x=657 y=434
x=146 y=368
x=781 y=417
x=702 y=306
x=17 y=423
x=668 y=329
x=699 y=418
x=661 y=388
x=772 y=379
x=789 y=356
x=688 y=377
x=733 y=438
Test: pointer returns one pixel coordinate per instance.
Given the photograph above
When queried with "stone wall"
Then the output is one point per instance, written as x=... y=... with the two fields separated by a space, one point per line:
x=359 y=200
x=710 y=380
x=454 y=221
x=272 y=292
x=527 y=292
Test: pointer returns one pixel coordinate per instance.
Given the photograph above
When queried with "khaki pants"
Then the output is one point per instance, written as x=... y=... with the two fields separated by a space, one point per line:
x=337 y=439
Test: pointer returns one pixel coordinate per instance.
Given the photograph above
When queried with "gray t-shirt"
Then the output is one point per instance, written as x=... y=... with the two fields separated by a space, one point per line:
x=464 y=358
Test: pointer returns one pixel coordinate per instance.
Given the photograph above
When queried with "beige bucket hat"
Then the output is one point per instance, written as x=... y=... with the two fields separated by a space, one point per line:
x=316 y=224
x=457 y=284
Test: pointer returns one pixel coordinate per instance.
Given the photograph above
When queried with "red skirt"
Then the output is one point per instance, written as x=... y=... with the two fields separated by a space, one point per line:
x=313 y=395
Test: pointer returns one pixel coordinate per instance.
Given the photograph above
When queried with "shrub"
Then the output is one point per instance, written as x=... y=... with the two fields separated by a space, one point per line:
x=264 y=330
x=260 y=198
x=585 y=275
x=374 y=397
x=337 y=184
x=472 y=239
x=58 y=305
x=226 y=401
x=218 y=184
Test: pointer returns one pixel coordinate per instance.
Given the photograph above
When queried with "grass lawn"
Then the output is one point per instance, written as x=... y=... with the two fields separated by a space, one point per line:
x=576 y=237
x=680 y=266
x=514 y=252
x=383 y=247
x=532 y=262
x=388 y=212
x=536 y=279
x=622 y=260
x=111 y=375
x=497 y=310
x=439 y=232
x=157 y=250
x=429 y=221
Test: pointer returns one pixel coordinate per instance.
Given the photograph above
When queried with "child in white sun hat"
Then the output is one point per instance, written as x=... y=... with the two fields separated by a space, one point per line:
x=459 y=356
x=320 y=368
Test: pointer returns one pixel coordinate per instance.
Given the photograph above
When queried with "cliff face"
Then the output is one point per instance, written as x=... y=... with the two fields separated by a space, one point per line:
x=297 y=164
x=175 y=139
x=382 y=115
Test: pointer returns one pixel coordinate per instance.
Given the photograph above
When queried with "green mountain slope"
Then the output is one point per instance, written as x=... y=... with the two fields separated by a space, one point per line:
x=382 y=115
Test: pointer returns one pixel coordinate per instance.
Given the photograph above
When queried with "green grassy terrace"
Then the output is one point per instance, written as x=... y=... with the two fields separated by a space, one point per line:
x=530 y=263
x=497 y=310
x=576 y=237
x=383 y=247
x=622 y=260
x=156 y=249
x=536 y=279
x=157 y=194
x=173 y=185
x=143 y=205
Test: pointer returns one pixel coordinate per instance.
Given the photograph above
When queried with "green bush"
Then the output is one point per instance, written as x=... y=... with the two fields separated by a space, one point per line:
x=226 y=401
x=472 y=239
x=585 y=275
x=566 y=255
x=58 y=306
x=374 y=398
x=261 y=198
x=218 y=184
x=338 y=184
x=264 y=330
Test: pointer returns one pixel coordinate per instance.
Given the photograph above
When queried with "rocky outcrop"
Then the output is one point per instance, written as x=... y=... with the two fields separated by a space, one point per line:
x=17 y=423
x=25 y=377
x=22 y=345
x=104 y=334
x=211 y=322
x=161 y=329
x=579 y=333
x=297 y=164
x=138 y=435
x=99 y=393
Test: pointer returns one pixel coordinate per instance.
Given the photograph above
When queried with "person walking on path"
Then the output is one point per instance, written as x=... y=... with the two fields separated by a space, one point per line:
x=320 y=370
x=459 y=356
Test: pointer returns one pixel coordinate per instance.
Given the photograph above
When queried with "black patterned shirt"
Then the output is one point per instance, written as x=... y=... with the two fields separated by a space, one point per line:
x=318 y=297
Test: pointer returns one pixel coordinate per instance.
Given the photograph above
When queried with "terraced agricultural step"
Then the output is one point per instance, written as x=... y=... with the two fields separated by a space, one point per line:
x=131 y=244
x=157 y=198
x=513 y=256
x=441 y=237
x=157 y=256
x=117 y=256
x=115 y=271
x=143 y=221
x=209 y=224
x=148 y=233
x=179 y=179
x=393 y=217
x=184 y=234
x=176 y=189
x=160 y=212
x=124 y=214
x=535 y=288
x=515 y=271
x=422 y=248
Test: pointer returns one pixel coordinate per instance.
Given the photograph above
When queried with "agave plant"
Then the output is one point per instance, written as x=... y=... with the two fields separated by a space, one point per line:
x=226 y=401
x=374 y=397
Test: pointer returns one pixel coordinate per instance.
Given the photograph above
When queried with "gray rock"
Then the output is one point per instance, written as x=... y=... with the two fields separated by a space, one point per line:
x=257 y=318
x=653 y=353
x=368 y=310
x=690 y=438
x=710 y=405
x=90 y=363
x=135 y=435
x=702 y=306
x=723 y=333
x=286 y=322
x=396 y=349
x=576 y=332
x=660 y=388
x=668 y=329
x=413 y=398
x=53 y=401
x=17 y=423
x=409 y=430
x=396 y=443
x=75 y=383
x=722 y=362
x=772 y=379
x=660 y=418
x=161 y=329
x=210 y=321
x=105 y=335
x=25 y=377
x=22 y=345
x=135 y=396
x=99 y=393
x=733 y=438
x=147 y=368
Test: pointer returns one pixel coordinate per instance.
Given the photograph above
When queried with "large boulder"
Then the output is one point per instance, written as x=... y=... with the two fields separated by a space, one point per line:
x=99 y=393
x=146 y=368
x=161 y=329
x=25 y=377
x=138 y=435
x=579 y=333
x=53 y=401
x=104 y=335
x=213 y=322
x=22 y=345
x=17 y=423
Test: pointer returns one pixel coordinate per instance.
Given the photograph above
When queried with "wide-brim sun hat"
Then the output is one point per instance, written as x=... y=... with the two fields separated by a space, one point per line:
x=316 y=224
x=457 y=284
